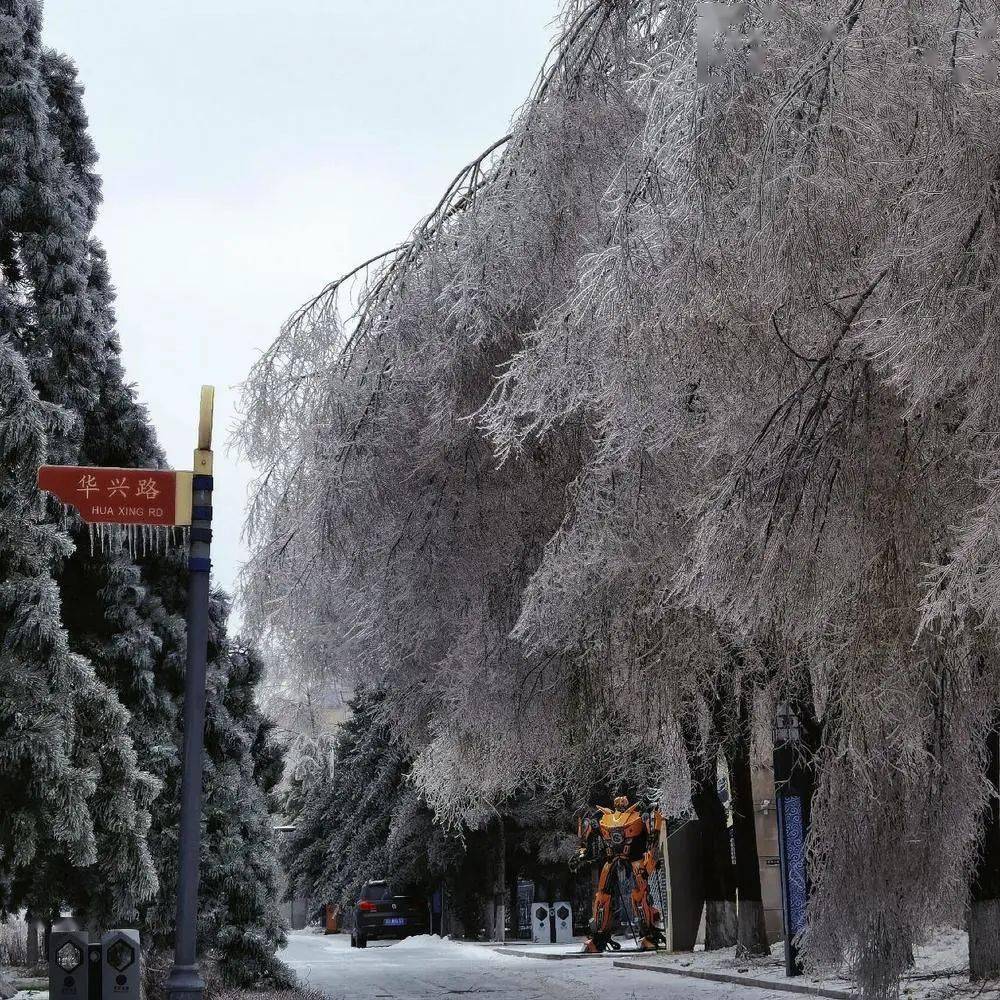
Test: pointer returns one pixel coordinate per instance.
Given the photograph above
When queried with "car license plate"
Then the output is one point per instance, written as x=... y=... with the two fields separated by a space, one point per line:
x=395 y=921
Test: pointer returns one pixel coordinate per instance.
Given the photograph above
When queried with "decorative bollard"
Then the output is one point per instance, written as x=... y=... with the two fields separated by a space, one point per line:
x=120 y=966
x=81 y=969
x=541 y=929
x=563 y=914
x=69 y=965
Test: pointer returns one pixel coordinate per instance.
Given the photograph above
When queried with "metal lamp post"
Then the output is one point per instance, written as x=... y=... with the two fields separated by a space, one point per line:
x=184 y=981
x=790 y=785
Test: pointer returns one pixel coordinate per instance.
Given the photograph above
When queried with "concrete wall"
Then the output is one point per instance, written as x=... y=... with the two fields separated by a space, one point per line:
x=686 y=899
x=685 y=923
x=767 y=849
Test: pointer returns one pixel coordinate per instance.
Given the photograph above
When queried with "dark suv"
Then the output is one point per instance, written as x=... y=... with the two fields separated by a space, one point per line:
x=382 y=913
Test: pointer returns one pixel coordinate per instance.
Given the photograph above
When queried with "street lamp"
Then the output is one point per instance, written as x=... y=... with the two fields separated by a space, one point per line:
x=791 y=791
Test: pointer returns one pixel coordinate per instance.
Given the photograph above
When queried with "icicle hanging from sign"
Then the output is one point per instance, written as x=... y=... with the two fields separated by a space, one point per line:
x=136 y=539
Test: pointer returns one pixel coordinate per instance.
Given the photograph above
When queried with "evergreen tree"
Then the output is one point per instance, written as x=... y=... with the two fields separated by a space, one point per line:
x=242 y=877
x=91 y=805
x=44 y=791
x=240 y=927
x=360 y=819
x=93 y=643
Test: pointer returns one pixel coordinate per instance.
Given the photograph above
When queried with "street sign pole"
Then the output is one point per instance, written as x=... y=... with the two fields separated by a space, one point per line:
x=185 y=982
x=163 y=498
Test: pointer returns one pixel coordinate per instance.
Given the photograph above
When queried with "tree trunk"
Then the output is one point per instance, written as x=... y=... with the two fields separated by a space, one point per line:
x=984 y=914
x=717 y=869
x=513 y=875
x=751 y=938
x=32 y=951
x=493 y=908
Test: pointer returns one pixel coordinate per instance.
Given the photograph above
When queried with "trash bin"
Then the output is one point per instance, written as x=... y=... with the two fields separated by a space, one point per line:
x=541 y=928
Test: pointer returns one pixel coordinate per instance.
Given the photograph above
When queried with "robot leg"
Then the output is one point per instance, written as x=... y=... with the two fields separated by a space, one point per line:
x=600 y=925
x=650 y=935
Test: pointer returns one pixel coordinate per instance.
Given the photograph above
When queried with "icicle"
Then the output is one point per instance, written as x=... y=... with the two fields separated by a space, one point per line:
x=91 y=532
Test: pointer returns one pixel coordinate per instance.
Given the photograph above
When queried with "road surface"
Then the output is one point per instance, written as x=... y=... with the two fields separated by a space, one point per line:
x=428 y=967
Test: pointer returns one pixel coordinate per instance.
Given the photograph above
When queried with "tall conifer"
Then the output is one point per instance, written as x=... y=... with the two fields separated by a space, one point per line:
x=44 y=688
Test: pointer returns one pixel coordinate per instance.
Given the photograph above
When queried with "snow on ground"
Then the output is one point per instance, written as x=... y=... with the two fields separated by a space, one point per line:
x=941 y=967
x=428 y=966
x=427 y=942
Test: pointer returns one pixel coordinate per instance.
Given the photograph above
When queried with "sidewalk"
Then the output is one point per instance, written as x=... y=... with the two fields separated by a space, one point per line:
x=760 y=977
x=720 y=967
x=940 y=970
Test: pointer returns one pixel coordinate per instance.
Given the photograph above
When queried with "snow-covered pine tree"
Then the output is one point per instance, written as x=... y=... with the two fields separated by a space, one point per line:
x=360 y=819
x=91 y=803
x=241 y=876
x=108 y=612
x=45 y=793
x=309 y=777
x=48 y=316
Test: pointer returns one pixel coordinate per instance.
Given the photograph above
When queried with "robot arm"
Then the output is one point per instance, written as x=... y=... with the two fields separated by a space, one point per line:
x=587 y=830
x=653 y=822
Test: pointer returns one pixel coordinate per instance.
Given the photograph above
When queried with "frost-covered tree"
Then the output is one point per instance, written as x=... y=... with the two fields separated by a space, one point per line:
x=44 y=791
x=240 y=927
x=242 y=877
x=360 y=820
x=358 y=815
x=86 y=805
x=92 y=660
x=684 y=393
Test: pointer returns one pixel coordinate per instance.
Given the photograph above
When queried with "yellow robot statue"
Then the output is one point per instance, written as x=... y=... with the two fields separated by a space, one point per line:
x=623 y=842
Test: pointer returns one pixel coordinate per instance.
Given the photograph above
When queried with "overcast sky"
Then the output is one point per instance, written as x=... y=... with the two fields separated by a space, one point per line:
x=252 y=150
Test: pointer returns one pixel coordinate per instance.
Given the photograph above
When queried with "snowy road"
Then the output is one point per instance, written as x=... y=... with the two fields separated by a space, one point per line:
x=425 y=968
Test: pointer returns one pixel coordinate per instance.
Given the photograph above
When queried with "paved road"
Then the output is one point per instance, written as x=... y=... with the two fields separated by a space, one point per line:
x=425 y=967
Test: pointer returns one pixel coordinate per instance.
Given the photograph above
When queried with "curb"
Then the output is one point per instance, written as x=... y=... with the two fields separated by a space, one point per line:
x=723 y=977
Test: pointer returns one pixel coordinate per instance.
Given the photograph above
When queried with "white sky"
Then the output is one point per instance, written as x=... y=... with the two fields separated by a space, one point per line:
x=252 y=150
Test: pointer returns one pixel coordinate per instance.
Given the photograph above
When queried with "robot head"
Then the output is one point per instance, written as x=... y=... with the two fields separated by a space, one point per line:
x=620 y=803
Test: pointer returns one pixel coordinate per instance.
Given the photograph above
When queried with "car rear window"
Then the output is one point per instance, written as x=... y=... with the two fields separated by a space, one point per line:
x=376 y=893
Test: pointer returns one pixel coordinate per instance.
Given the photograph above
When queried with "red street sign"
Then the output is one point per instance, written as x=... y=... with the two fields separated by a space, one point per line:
x=121 y=496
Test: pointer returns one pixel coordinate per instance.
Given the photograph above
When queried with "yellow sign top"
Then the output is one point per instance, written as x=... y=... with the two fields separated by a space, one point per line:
x=203 y=454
